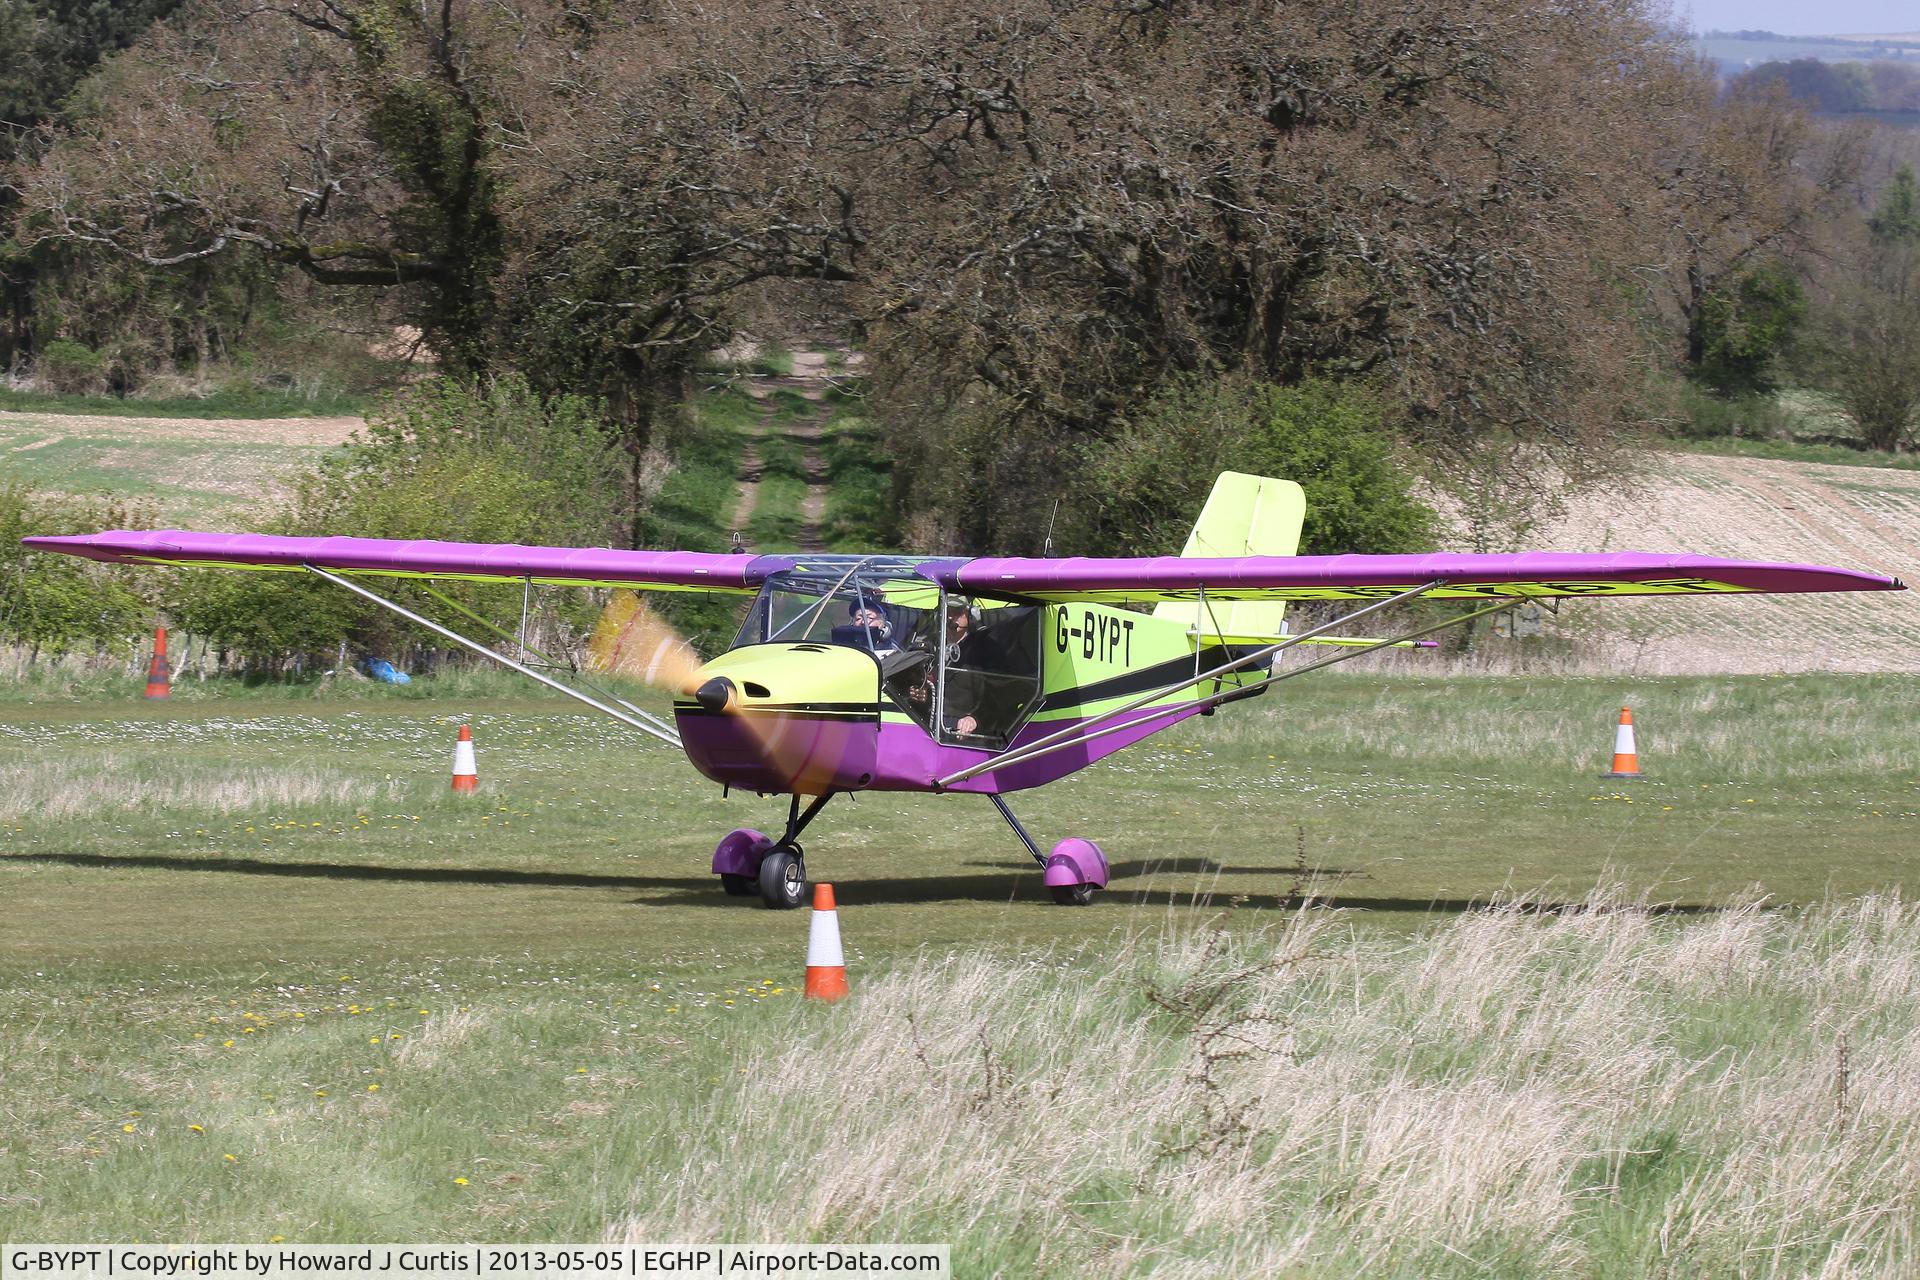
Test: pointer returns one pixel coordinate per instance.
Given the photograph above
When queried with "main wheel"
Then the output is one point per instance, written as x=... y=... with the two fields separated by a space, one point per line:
x=783 y=878
x=736 y=886
x=1073 y=895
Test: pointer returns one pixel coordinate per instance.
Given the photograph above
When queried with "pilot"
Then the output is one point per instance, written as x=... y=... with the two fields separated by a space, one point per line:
x=871 y=628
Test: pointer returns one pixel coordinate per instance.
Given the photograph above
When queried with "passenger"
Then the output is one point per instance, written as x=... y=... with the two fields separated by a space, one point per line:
x=966 y=652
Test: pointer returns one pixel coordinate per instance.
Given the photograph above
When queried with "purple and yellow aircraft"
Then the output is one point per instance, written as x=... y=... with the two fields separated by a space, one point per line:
x=927 y=673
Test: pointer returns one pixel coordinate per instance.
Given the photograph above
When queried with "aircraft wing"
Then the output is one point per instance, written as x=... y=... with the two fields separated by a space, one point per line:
x=465 y=561
x=1528 y=575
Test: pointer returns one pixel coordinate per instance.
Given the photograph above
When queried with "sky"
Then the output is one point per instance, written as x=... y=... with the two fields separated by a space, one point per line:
x=1803 y=17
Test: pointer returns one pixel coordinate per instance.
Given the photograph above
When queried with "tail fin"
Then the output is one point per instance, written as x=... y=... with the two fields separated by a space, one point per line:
x=1244 y=516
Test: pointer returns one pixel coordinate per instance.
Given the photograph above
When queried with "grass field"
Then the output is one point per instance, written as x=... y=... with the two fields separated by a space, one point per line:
x=189 y=470
x=532 y=1015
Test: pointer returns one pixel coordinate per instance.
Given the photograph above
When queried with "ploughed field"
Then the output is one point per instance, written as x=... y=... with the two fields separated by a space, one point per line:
x=264 y=975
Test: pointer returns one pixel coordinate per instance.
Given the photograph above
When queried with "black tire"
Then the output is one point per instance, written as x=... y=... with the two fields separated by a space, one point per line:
x=783 y=879
x=737 y=886
x=1072 y=895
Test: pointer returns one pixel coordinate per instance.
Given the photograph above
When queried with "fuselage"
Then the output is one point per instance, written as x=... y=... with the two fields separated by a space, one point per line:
x=813 y=698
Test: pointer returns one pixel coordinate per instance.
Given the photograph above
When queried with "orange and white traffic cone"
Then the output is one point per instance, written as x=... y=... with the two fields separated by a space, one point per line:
x=1626 y=761
x=826 y=963
x=465 y=776
x=159 y=673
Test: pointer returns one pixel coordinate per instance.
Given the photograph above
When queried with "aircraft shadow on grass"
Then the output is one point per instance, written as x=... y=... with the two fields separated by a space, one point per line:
x=1012 y=880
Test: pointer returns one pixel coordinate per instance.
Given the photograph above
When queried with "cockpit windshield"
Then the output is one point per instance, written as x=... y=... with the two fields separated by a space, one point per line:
x=872 y=612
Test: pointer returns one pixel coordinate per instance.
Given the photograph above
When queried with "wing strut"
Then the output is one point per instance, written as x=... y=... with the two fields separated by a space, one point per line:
x=1085 y=732
x=640 y=720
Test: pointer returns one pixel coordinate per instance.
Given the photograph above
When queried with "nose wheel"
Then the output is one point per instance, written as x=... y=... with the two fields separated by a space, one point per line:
x=749 y=862
x=783 y=877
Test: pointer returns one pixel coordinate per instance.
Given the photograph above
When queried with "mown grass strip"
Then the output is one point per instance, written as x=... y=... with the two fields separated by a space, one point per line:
x=858 y=476
x=228 y=402
x=694 y=509
x=1795 y=451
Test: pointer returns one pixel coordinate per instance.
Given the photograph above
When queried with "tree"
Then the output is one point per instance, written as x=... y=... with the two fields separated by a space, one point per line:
x=1747 y=190
x=1746 y=329
x=1143 y=487
x=1872 y=351
x=348 y=141
x=47 y=47
x=1824 y=86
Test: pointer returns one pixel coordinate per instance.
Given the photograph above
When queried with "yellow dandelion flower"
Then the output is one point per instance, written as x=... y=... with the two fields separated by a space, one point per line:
x=226 y=1044
x=126 y=1128
x=197 y=1128
x=373 y=1088
x=579 y=1071
x=230 y=1156
x=319 y=1093
x=276 y=1239
x=394 y=1036
x=459 y=1182
x=373 y=1039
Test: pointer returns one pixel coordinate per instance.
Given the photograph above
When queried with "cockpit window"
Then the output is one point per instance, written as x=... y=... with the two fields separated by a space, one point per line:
x=990 y=670
x=967 y=670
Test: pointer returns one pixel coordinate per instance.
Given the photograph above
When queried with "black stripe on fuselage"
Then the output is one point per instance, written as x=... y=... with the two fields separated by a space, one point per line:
x=869 y=711
x=1133 y=682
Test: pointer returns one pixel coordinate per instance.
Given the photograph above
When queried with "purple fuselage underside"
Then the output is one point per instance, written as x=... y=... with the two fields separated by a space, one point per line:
x=781 y=754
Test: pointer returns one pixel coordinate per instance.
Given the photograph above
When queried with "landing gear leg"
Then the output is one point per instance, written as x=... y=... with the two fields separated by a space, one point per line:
x=1074 y=870
x=1018 y=830
x=783 y=872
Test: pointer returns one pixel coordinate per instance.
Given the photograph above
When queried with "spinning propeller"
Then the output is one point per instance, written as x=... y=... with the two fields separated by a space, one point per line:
x=632 y=640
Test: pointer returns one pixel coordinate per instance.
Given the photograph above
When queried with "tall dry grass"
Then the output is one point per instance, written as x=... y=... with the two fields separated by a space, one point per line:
x=57 y=787
x=1600 y=1092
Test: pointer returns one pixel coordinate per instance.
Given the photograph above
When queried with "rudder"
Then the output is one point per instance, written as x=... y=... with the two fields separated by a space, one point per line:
x=1245 y=515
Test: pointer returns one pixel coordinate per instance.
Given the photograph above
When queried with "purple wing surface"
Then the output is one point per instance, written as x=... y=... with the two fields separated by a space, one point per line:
x=467 y=561
x=1527 y=575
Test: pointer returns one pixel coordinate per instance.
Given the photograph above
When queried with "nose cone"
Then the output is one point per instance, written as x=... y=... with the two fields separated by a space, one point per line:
x=715 y=694
x=802 y=718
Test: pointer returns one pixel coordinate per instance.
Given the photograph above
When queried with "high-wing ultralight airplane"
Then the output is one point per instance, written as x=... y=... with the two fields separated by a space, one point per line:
x=929 y=673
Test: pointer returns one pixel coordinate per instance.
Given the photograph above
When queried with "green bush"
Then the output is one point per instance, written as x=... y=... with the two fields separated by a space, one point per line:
x=67 y=367
x=1747 y=329
x=1144 y=485
x=451 y=461
x=54 y=603
x=1702 y=415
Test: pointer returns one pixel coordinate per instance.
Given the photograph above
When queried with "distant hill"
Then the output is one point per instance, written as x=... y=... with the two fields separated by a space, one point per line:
x=1736 y=51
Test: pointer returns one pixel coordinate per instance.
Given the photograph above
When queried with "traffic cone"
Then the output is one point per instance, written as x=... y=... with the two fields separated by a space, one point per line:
x=465 y=776
x=1626 y=761
x=826 y=964
x=159 y=674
